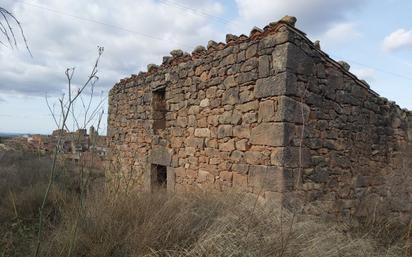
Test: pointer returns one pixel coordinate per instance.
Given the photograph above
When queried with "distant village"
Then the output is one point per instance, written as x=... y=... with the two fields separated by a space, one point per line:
x=77 y=145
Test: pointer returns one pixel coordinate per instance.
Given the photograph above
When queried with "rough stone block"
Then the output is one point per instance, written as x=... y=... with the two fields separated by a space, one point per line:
x=264 y=66
x=289 y=56
x=291 y=110
x=228 y=146
x=275 y=39
x=249 y=65
x=204 y=176
x=251 y=51
x=211 y=92
x=204 y=102
x=228 y=60
x=224 y=131
x=279 y=57
x=236 y=118
x=242 y=145
x=202 y=132
x=271 y=178
x=161 y=155
x=229 y=82
x=246 y=96
x=250 y=117
x=240 y=168
x=267 y=110
x=225 y=118
x=191 y=122
x=181 y=122
x=290 y=157
x=247 y=77
x=236 y=156
x=284 y=83
x=197 y=143
x=272 y=134
x=254 y=157
x=241 y=131
x=231 y=96
x=250 y=106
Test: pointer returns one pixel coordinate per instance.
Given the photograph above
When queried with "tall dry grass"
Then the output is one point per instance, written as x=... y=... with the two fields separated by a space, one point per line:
x=205 y=224
x=161 y=224
x=23 y=181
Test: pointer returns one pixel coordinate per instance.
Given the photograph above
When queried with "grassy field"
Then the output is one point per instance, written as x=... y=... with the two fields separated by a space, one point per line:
x=98 y=223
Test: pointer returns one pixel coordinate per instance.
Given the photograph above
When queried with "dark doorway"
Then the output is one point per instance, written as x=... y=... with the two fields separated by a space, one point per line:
x=159 y=176
x=159 y=110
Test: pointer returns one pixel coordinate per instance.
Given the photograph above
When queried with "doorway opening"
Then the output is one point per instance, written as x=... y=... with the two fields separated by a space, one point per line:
x=159 y=176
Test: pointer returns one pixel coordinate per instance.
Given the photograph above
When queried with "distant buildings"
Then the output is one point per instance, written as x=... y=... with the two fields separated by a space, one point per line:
x=72 y=143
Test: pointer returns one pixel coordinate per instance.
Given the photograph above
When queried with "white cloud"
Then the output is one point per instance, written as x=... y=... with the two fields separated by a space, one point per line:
x=314 y=16
x=367 y=74
x=341 y=32
x=397 y=40
x=59 y=41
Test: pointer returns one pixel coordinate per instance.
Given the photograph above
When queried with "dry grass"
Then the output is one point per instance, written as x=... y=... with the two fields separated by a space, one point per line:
x=23 y=181
x=205 y=224
x=160 y=224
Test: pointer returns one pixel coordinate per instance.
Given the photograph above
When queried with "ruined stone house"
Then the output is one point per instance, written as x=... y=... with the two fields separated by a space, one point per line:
x=269 y=114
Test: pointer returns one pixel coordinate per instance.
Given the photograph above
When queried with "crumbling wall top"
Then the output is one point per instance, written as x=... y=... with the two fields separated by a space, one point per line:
x=178 y=56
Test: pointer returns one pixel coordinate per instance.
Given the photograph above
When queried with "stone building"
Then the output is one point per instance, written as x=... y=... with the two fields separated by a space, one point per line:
x=269 y=114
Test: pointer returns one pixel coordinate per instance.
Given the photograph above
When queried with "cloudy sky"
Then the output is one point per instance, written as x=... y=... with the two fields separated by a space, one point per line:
x=374 y=37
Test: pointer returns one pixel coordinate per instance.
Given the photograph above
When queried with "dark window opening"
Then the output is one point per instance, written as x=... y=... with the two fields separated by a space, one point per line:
x=159 y=176
x=159 y=110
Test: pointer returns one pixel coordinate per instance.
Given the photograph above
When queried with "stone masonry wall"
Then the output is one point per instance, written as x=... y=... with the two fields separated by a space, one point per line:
x=268 y=114
x=356 y=148
x=221 y=130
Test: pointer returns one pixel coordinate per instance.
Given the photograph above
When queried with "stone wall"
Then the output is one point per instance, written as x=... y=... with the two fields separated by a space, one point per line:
x=222 y=128
x=356 y=146
x=268 y=114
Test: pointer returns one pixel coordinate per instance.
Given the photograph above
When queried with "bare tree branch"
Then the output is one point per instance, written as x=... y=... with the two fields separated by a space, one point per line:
x=51 y=111
x=66 y=105
x=7 y=22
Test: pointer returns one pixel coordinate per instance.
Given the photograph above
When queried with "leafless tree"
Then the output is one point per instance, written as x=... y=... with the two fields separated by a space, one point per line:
x=8 y=24
x=66 y=103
